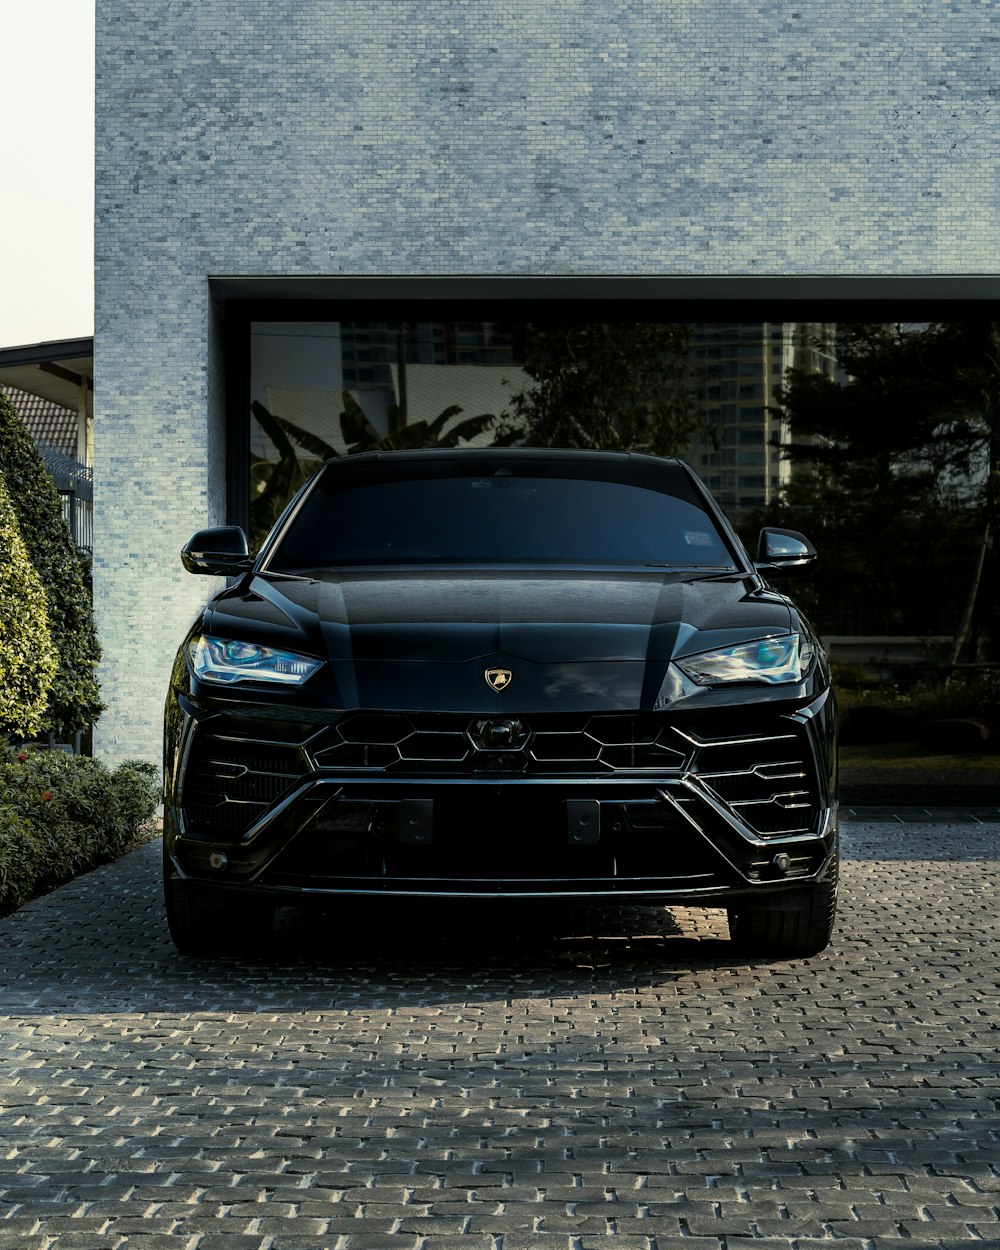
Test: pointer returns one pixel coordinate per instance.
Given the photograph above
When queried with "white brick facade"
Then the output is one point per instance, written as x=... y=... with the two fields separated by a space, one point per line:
x=422 y=137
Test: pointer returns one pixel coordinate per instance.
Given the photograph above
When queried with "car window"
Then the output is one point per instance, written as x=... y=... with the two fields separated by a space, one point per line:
x=498 y=519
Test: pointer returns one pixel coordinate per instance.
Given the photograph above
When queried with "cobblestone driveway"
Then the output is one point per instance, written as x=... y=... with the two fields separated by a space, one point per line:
x=496 y=1080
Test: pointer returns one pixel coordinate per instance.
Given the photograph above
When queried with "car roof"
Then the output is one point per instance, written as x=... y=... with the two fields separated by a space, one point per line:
x=504 y=453
x=636 y=468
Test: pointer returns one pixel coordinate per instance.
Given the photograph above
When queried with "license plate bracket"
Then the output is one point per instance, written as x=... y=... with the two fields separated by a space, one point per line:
x=583 y=822
x=416 y=822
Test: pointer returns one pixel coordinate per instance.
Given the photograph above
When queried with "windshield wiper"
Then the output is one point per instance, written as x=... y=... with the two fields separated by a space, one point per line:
x=294 y=577
x=692 y=568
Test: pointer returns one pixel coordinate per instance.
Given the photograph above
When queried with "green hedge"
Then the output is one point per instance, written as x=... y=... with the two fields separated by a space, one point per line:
x=27 y=657
x=975 y=694
x=61 y=815
x=74 y=700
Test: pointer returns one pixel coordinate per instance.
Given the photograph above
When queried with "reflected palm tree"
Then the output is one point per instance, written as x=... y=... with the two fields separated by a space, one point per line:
x=301 y=452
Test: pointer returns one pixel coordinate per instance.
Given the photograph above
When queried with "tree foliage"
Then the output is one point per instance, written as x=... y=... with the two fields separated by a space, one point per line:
x=893 y=465
x=617 y=386
x=74 y=699
x=403 y=435
x=27 y=657
x=907 y=418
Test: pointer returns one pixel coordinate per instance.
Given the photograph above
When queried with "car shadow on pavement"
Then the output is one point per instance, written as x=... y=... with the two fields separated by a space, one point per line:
x=102 y=940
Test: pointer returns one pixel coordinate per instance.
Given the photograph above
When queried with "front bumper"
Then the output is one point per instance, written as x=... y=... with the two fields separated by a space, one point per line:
x=296 y=809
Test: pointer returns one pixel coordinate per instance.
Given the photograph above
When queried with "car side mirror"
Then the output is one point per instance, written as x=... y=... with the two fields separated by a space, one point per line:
x=222 y=551
x=783 y=549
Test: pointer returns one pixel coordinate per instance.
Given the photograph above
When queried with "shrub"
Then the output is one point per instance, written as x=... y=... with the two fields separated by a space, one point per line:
x=74 y=701
x=27 y=657
x=851 y=677
x=879 y=713
x=61 y=815
x=966 y=694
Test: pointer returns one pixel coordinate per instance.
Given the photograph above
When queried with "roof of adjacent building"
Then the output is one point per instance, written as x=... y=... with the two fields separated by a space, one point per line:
x=61 y=371
x=49 y=424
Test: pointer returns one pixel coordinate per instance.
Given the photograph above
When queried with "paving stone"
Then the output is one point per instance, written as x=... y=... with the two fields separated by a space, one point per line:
x=73 y=1239
x=468 y=1241
x=145 y=1239
x=231 y=1241
x=365 y=1241
x=590 y=1242
x=546 y=1080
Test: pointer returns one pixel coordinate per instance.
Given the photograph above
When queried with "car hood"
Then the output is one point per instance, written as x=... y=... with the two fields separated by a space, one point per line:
x=573 y=640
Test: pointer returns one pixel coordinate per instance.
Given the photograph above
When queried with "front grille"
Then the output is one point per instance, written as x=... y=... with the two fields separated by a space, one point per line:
x=239 y=768
x=765 y=778
x=604 y=743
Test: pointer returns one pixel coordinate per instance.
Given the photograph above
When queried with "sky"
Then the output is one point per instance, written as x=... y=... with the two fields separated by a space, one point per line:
x=47 y=163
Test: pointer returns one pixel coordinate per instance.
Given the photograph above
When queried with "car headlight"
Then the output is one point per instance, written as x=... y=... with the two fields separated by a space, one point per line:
x=768 y=660
x=226 y=660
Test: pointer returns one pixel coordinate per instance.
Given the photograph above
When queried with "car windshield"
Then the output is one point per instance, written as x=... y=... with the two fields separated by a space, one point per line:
x=497 y=518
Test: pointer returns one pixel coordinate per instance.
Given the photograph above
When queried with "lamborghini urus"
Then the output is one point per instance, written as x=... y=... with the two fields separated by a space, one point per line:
x=494 y=674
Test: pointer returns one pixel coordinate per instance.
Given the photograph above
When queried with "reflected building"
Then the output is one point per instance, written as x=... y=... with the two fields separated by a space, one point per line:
x=737 y=369
x=370 y=348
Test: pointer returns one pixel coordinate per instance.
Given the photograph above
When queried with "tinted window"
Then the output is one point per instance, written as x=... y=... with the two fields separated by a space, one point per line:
x=498 y=519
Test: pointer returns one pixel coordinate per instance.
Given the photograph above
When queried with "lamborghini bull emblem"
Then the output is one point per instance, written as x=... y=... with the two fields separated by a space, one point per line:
x=498 y=678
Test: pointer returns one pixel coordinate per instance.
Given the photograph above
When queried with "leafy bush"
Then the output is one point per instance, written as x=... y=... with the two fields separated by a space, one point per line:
x=967 y=694
x=880 y=713
x=851 y=677
x=61 y=815
x=74 y=700
x=27 y=657
x=972 y=694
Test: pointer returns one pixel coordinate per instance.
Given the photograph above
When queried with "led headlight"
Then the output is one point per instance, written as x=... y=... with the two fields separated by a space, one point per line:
x=225 y=660
x=768 y=660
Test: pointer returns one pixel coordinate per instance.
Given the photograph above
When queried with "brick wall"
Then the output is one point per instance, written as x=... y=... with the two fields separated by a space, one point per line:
x=375 y=137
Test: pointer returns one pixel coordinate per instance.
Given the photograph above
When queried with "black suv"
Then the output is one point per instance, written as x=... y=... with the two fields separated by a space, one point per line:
x=501 y=673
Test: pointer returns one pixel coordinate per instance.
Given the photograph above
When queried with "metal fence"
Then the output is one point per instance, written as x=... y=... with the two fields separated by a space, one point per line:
x=75 y=484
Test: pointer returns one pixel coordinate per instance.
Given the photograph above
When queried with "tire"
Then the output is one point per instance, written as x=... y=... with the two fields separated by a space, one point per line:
x=202 y=924
x=779 y=931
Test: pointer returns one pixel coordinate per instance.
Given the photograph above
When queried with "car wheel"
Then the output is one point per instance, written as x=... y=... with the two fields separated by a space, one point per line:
x=759 y=929
x=211 y=925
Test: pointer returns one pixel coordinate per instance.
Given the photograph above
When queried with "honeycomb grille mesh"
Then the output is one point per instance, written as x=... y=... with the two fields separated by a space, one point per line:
x=459 y=744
